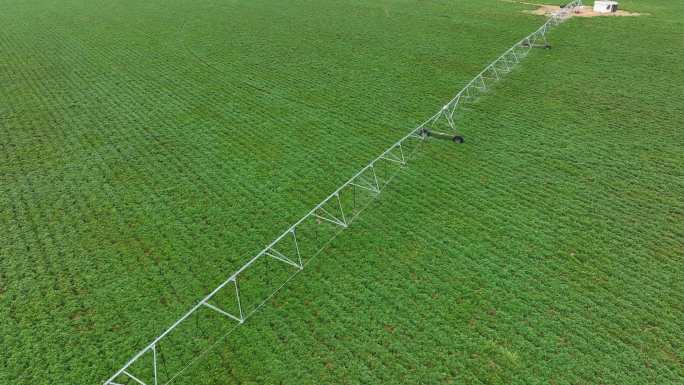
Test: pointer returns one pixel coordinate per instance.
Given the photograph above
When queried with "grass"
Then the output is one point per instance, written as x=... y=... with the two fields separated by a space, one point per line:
x=149 y=149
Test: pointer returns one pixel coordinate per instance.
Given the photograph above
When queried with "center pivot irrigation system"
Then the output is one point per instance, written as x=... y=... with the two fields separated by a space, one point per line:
x=240 y=295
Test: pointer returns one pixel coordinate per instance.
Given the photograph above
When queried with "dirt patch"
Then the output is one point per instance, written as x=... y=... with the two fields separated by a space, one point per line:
x=583 y=11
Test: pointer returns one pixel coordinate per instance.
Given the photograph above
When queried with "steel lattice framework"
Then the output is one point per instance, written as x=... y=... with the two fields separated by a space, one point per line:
x=492 y=73
x=242 y=293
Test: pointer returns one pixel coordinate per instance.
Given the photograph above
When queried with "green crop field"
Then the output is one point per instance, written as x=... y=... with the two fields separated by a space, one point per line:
x=148 y=149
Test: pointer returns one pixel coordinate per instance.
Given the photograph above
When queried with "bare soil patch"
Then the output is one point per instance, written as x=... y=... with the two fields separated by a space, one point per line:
x=584 y=11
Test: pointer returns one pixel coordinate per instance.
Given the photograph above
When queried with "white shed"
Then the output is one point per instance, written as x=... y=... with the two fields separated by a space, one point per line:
x=605 y=6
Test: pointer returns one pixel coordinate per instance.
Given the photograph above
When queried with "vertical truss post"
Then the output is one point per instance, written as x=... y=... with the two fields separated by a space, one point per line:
x=299 y=255
x=450 y=118
x=454 y=106
x=237 y=296
x=515 y=57
x=503 y=59
x=375 y=177
x=401 y=151
x=339 y=203
x=496 y=73
x=154 y=363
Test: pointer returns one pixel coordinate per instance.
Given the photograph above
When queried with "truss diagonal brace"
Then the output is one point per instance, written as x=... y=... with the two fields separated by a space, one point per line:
x=388 y=155
x=241 y=318
x=134 y=378
x=275 y=254
x=330 y=217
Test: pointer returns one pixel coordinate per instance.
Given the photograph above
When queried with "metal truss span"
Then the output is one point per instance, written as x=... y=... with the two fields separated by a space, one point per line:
x=248 y=288
x=446 y=118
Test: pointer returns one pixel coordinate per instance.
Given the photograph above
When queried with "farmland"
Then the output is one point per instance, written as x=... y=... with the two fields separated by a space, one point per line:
x=149 y=149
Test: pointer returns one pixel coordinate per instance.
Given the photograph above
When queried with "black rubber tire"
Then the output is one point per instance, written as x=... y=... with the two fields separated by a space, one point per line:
x=458 y=139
